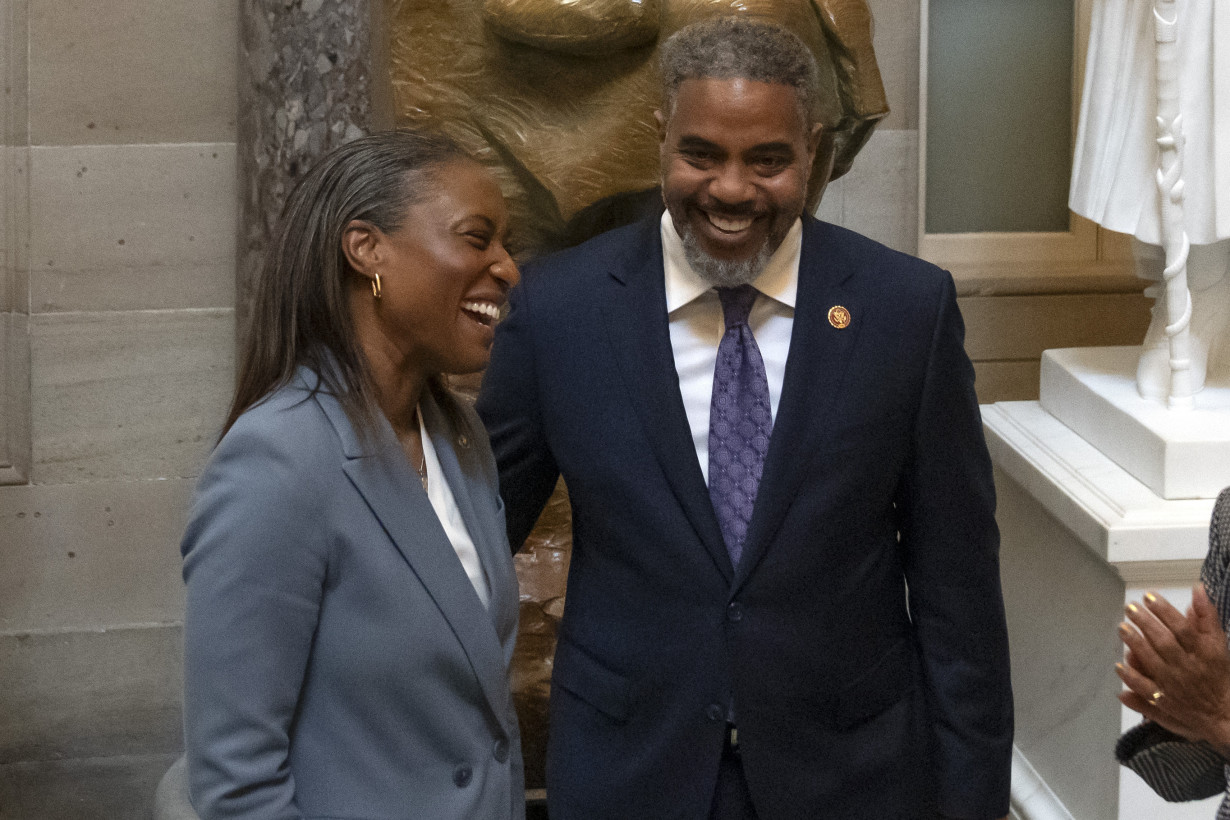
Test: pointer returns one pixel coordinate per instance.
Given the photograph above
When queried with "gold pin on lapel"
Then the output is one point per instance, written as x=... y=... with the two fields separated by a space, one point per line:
x=839 y=317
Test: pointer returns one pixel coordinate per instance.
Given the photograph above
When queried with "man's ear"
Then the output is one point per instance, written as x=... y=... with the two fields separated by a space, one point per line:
x=815 y=138
x=661 y=119
x=361 y=246
x=822 y=143
x=822 y=147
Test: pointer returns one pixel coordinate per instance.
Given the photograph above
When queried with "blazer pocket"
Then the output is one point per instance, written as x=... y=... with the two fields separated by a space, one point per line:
x=887 y=681
x=585 y=677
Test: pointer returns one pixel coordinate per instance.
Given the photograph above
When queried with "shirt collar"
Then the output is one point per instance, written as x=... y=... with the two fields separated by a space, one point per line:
x=779 y=280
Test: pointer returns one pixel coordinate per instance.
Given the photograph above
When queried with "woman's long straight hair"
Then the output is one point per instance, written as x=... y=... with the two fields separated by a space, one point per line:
x=301 y=311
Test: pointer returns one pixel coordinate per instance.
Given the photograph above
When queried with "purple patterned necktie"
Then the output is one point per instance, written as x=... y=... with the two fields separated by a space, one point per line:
x=740 y=421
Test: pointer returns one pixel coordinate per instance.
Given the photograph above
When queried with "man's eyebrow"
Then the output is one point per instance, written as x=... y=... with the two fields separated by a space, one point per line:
x=772 y=147
x=692 y=141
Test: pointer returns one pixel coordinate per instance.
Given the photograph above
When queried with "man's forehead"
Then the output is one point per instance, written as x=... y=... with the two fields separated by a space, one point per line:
x=712 y=108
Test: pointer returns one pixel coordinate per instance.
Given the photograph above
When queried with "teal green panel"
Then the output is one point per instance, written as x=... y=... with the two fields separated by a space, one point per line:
x=999 y=115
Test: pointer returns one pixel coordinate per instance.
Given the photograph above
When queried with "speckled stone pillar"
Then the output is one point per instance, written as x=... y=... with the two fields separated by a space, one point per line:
x=305 y=86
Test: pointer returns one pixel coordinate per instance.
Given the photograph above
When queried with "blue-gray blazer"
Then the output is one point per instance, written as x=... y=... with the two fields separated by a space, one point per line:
x=337 y=661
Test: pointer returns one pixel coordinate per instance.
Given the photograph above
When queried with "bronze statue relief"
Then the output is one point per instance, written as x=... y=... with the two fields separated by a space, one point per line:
x=558 y=95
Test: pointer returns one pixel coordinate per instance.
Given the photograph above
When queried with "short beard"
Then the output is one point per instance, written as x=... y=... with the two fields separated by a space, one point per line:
x=722 y=273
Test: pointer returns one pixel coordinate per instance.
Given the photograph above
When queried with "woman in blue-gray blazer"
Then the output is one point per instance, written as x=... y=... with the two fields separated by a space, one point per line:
x=351 y=602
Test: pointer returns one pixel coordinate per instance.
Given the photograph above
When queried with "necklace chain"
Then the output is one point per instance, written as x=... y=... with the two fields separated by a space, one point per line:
x=405 y=438
x=422 y=468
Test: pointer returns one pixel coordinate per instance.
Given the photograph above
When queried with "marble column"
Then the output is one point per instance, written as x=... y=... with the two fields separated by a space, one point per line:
x=306 y=70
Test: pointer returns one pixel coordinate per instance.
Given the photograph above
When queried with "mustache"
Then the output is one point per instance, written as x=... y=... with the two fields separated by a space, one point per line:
x=730 y=211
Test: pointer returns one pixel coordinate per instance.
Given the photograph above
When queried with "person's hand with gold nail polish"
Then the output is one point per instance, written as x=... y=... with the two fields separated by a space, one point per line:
x=1177 y=668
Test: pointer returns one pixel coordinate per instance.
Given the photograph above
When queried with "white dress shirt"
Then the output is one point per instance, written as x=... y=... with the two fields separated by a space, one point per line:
x=697 y=326
x=445 y=505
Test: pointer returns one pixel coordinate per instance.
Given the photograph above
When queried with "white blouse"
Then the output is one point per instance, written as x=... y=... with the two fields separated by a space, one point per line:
x=445 y=505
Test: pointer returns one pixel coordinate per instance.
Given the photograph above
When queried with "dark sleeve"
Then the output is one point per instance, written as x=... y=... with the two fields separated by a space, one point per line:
x=950 y=545
x=254 y=564
x=510 y=406
x=1216 y=570
x=1176 y=768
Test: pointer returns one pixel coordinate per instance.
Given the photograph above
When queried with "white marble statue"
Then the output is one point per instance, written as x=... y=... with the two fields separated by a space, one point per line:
x=1115 y=168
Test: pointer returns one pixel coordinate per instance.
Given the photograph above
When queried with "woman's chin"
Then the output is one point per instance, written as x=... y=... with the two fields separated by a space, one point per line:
x=469 y=365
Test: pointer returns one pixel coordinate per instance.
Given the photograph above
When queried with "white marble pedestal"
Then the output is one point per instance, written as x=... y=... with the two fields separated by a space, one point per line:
x=1081 y=537
x=1175 y=453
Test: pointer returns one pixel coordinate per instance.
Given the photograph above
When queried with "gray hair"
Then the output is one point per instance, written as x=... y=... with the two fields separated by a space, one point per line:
x=734 y=46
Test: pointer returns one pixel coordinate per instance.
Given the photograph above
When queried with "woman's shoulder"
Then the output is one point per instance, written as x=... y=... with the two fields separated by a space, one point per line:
x=270 y=487
x=291 y=414
x=286 y=433
x=280 y=458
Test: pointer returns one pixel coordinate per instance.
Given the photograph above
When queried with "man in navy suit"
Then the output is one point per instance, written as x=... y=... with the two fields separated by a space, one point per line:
x=784 y=596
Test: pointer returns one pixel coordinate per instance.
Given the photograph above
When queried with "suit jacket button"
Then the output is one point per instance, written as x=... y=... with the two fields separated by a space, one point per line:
x=462 y=775
x=734 y=612
x=715 y=712
x=501 y=751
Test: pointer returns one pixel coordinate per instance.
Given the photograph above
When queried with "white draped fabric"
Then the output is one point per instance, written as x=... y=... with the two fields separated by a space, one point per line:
x=1115 y=160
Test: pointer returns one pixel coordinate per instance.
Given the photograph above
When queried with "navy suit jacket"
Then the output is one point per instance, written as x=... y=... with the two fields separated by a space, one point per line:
x=860 y=642
x=337 y=660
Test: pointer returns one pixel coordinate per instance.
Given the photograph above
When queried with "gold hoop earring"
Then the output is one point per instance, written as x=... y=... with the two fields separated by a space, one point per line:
x=376 y=289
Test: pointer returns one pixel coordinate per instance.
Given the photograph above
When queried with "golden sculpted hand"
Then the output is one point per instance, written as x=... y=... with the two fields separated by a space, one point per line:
x=1177 y=668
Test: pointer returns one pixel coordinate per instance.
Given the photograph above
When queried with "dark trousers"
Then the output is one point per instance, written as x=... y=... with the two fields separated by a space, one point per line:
x=731 y=800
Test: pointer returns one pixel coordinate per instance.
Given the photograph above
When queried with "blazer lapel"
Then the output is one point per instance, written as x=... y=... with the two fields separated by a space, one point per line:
x=634 y=305
x=816 y=368
x=394 y=493
x=458 y=463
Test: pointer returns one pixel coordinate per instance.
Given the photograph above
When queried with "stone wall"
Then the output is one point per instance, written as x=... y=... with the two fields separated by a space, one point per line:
x=119 y=218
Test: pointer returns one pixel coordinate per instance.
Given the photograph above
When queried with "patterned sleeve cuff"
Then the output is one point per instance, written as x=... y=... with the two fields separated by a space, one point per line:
x=1175 y=768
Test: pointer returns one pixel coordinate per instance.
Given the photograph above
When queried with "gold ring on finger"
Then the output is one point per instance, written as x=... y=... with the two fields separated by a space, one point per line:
x=1156 y=696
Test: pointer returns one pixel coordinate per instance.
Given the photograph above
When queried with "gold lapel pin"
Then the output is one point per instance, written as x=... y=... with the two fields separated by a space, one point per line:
x=839 y=317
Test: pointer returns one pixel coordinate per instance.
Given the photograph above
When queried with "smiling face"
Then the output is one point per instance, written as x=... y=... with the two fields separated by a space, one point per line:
x=444 y=274
x=735 y=156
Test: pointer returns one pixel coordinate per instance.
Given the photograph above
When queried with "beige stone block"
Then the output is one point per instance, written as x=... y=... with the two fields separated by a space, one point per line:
x=79 y=556
x=896 y=40
x=14 y=398
x=115 y=788
x=132 y=227
x=880 y=194
x=1021 y=327
x=131 y=395
x=132 y=71
x=13 y=55
x=14 y=228
x=91 y=694
x=1006 y=381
